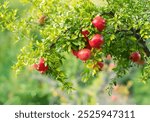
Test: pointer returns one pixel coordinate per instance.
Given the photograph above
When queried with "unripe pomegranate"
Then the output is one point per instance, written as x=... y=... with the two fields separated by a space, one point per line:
x=135 y=56
x=99 y=23
x=84 y=54
x=96 y=41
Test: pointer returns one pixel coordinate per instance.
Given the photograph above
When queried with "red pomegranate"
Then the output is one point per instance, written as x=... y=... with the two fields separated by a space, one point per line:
x=75 y=53
x=85 y=32
x=96 y=41
x=84 y=54
x=41 y=66
x=99 y=23
x=135 y=56
x=101 y=65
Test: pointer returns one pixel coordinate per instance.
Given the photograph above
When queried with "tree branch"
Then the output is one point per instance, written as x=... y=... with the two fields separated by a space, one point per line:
x=58 y=37
x=111 y=14
x=143 y=43
x=139 y=38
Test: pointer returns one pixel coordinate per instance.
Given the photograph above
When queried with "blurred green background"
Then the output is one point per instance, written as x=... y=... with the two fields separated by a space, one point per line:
x=30 y=87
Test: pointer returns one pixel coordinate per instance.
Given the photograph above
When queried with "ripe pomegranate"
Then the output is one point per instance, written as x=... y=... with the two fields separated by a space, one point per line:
x=135 y=56
x=99 y=23
x=43 y=69
x=85 y=32
x=96 y=41
x=41 y=66
x=84 y=54
x=75 y=53
x=41 y=61
x=100 y=65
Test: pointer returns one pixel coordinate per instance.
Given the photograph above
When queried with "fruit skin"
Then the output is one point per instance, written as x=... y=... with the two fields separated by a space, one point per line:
x=135 y=56
x=97 y=41
x=84 y=54
x=85 y=32
x=75 y=53
x=99 y=23
x=41 y=66
x=41 y=61
x=100 y=65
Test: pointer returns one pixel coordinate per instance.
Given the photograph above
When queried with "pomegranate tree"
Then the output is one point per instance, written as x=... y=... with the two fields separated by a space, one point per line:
x=80 y=27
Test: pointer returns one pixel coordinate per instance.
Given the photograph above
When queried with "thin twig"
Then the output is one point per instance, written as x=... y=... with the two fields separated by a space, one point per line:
x=143 y=43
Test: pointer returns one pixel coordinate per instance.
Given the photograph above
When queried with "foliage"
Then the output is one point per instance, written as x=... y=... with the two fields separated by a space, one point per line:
x=140 y=90
x=127 y=30
x=32 y=88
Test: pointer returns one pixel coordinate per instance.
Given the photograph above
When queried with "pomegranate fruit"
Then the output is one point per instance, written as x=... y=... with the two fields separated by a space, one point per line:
x=41 y=66
x=84 y=54
x=100 y=65
x=96 y=41
x=75 y=53
x=85 y=32
x=135 y=56
x=99 y=23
